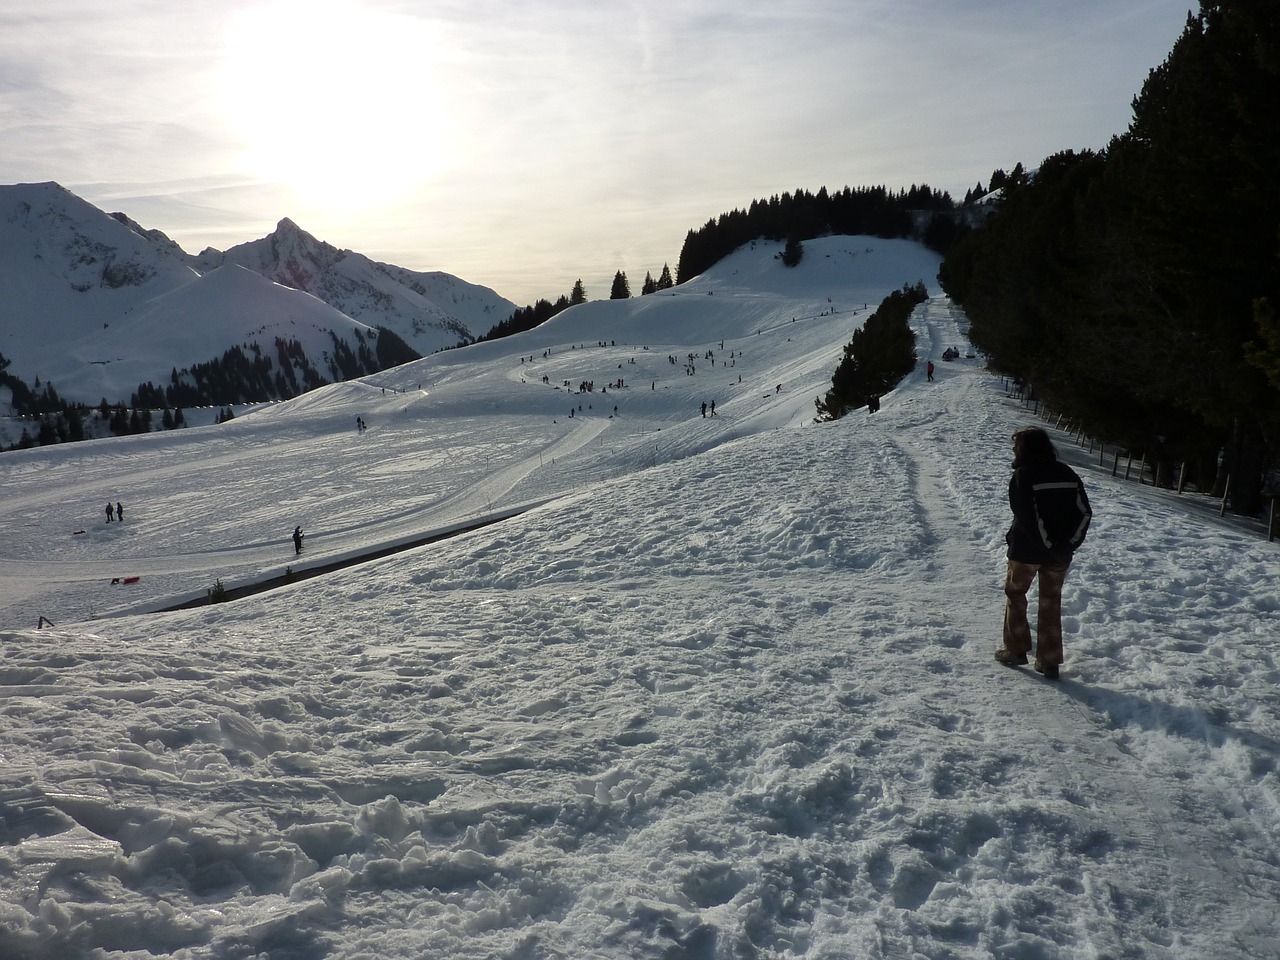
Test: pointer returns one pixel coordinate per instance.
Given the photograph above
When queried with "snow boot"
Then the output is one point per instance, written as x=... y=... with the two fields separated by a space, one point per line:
x=1011 y=659
x=1049 y=670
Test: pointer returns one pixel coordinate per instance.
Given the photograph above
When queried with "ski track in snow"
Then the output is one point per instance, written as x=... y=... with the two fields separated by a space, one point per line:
x=731 y=703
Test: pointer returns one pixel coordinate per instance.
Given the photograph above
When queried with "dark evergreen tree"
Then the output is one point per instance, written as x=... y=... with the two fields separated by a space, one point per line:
x=878 y=356
x=579 y=294
x=392 y=351
x=621 y=289
x=1133 y=288
x=75 y=424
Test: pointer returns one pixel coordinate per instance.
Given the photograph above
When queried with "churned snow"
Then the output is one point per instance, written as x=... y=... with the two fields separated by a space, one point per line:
x=715 y=688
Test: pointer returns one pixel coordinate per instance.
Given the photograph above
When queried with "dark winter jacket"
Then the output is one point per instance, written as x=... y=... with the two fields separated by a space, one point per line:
x=1051 y=513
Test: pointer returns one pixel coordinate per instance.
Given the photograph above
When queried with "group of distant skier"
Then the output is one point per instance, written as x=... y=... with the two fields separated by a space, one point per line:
x=115 y=512
x=1051 y=517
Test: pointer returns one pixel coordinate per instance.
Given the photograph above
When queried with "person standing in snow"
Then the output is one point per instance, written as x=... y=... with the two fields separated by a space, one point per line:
x=929 y=370
x=704 y=409
x=109 y=511
x=1051 y=516
x=297 y=540
x=120 y=511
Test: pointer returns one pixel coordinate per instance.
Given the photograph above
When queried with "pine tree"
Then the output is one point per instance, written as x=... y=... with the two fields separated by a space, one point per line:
x=650 y=285
x=1199 y=161
x=621 y=288
x=579 y=294
x=664 y=281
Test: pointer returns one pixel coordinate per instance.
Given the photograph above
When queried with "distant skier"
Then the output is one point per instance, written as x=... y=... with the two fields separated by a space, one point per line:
x=713 y=408
x=704 y=409
x=110 y=512
x=297 y=540
x=120 y=511
x=929 y=370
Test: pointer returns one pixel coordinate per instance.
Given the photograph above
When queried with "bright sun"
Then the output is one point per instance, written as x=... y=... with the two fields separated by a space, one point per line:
x=335 y=100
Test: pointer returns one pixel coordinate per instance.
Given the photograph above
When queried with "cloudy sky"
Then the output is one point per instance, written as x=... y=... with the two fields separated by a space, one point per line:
x=524 y=144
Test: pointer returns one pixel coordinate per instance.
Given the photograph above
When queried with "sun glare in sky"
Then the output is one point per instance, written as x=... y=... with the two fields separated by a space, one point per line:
x=337 y=101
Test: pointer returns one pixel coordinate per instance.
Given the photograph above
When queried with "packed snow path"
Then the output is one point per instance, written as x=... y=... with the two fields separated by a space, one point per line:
x=738 y=704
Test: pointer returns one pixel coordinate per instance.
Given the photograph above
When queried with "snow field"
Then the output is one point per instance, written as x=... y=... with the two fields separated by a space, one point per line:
x=716 y=699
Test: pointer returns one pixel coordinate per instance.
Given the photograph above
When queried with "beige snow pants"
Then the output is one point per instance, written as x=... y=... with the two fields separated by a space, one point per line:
x=1017 y=632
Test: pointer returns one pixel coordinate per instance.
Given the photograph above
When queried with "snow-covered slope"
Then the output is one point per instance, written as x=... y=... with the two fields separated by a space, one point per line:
x=229 y=306
x=725 y=689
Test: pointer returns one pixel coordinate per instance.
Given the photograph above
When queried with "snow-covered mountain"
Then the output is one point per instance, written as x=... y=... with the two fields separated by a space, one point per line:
x=428 y=311
x=96 y=304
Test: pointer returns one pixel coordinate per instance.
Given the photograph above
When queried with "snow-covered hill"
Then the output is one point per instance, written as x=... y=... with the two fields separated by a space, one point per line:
x=96 y=304
x=722 y=687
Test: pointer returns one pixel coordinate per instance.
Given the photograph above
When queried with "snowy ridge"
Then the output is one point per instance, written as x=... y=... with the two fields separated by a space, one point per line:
x=430 y=311
x=728 y=692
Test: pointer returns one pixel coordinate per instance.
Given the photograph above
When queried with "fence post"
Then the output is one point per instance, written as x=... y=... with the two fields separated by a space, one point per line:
x=1271 y=522
x=1182 y=477
x=1127 y=465
x=1226 y=492
x=1115 y=464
